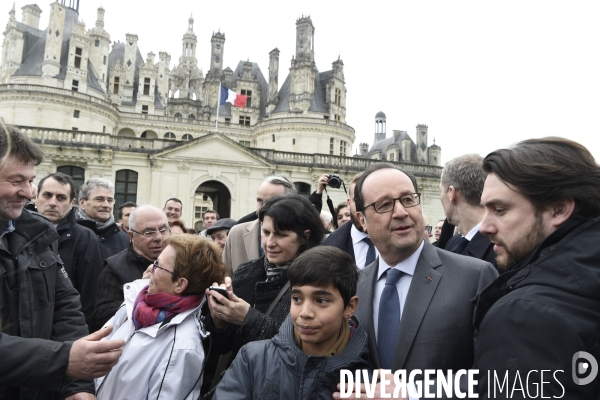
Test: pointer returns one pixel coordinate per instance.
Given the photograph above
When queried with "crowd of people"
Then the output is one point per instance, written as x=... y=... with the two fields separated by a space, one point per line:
x=276 y=304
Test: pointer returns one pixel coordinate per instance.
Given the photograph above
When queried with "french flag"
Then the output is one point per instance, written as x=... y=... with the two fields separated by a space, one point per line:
x=229 y=96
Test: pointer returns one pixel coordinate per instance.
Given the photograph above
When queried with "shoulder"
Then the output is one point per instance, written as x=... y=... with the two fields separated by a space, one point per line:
x=339 y=236
x=249 y=268
x=239 y=229
x=459 y=262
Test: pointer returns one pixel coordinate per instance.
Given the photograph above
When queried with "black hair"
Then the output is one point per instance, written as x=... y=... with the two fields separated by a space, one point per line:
x=175 y=199
x=323 y=266
x=359 y=199
x=61 y=178
x=125 y=205
x=16 y=143
x=292 y=212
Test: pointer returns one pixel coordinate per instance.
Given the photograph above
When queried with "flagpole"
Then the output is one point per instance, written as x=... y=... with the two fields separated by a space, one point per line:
x=218 y=104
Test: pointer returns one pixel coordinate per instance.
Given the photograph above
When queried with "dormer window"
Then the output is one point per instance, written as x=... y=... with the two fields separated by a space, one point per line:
x=146 y=86
x=116 y=85
x=248 y=94
x=78 y=53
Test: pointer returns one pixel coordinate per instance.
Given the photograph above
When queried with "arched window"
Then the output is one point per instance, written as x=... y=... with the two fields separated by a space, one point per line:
x=187 y=136
x=169 y=135
x=178 y=115
x=125 y=187
x=191 y=116
x=302 y=188
x=77 y=173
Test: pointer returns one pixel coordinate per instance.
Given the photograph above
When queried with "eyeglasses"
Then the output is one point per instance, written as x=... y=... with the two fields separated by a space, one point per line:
x=428 y=228
x=155 y=265
x=386 y=205
x=162 y=231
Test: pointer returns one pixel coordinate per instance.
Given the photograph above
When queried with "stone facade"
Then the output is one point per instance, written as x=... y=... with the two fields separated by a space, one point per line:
x=160 y=132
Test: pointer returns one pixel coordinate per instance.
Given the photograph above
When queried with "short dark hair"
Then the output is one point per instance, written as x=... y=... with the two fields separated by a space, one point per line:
x=323 y=266
x=61 y=178
x=466 y=175
x=125 y=205
x=212 y=212
x=178 y=223
x=336 y=212
x=359 y=200
x=292 y=212
x=548 y=170
x=16 y=143
x=174 y=199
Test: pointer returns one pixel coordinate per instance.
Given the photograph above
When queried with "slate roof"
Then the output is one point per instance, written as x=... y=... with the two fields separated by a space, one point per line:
x=317 y=101
x=117 y=53
x=225 y=110
x=383 y=145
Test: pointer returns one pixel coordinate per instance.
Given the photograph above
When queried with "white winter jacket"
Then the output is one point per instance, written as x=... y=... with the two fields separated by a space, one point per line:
x=158 y=362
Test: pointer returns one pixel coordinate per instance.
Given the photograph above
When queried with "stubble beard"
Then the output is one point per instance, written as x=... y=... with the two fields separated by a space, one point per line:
x=522 y=247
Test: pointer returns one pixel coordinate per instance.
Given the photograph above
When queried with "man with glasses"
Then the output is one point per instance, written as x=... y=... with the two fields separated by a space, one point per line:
x=148 y=225
x=426 y=288
x=96 y=201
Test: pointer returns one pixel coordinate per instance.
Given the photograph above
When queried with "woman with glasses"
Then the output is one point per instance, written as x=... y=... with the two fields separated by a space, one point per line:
x=259 y=294
x=160 y=321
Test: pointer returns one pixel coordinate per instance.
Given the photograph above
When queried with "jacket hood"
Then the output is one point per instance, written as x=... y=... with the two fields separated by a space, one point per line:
x=567 y=259
x=356 y=352
x=31 y=225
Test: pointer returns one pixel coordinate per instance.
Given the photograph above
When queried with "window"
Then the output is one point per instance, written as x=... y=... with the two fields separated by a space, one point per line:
x=126 y=182
x=337 y=117
x=227 y=121
x=245 y=120
x=75 y=128
x=199 y=212
x=103 y=128
x=391 y=157
x=326 y=117
x=338 y=97
x=245 y=143
x=116 y=85
x=177 y=115
x=293 y=141
x=75 y=86
x=146 y=86
x=169 y=135
x=97 y=43
x=331 y=146
x=343 y=148
x=191 y=116
x=77 y=173
x=78 y=52
x=248 y=94
x=144 y=109
x=187 y=136
x=273 y=138
x=104 y=60
x=76 y=114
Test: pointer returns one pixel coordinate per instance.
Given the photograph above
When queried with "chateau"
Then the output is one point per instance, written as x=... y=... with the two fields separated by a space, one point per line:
x=101 y=109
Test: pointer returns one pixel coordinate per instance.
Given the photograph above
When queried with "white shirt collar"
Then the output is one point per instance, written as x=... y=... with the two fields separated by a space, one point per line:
x=473 y=232
x=407 y=266
x=357 y=236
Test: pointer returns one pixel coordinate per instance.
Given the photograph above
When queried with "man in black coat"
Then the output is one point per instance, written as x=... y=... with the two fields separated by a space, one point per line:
x=461 y=186
x=542 y=213
x=148 y=225
x=78 y=247
x=41 y=347
x=96 y=201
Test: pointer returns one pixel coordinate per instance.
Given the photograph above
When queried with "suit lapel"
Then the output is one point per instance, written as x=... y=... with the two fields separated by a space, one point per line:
x=349 y=243
x=422 y=288
x=250 y=240
x=365 y=290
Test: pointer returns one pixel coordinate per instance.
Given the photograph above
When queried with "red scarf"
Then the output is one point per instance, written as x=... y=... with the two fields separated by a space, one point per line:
x=150 y=309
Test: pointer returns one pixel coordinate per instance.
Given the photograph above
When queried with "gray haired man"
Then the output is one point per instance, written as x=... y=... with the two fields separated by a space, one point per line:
x=96 y=201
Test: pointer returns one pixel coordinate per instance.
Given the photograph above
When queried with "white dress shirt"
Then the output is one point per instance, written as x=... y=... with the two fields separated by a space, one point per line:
x=360 y=247
x=472 y=232
x=408 y=267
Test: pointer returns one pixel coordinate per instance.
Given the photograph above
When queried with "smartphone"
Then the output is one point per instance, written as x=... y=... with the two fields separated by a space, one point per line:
x=222 y=291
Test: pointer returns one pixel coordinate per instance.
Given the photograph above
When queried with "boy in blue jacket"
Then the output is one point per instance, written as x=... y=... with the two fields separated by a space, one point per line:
x=318 y=339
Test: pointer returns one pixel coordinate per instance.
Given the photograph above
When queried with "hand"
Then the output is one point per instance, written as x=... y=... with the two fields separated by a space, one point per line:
x=81 y=396
x=232 y=310
x=91 y=358
x=148 y=272
x=323 y=181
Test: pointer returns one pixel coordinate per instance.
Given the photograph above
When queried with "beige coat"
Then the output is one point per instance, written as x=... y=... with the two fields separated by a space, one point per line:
x=242 y=245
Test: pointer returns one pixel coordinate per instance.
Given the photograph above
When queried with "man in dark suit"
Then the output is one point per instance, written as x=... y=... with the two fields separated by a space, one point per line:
x=351 y=238
x=461 y=187
x=415 y=299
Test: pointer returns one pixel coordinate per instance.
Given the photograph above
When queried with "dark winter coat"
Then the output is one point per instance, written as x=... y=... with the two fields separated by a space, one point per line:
x=278 y=369
x=112 y=238
x=538 y=315
x=81 y=252
x=122 y=268
x=41 y=315
x=249 y=284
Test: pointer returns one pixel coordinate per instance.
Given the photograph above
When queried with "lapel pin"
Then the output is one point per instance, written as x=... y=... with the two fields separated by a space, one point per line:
x=428 y=278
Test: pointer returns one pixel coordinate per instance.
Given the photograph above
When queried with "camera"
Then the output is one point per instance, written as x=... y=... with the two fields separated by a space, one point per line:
x=335 y=181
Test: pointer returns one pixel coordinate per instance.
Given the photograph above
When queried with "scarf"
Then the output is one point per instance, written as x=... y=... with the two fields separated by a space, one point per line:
x=273 y=271
x=150 y=309
x=80 y=214
x=347 y=330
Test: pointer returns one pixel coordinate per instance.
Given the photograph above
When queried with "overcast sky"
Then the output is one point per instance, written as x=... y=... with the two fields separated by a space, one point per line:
x=481 y=74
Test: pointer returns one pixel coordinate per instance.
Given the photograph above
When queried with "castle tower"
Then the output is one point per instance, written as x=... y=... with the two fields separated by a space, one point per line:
x=336 y=92
x=54 y=39
x=99 y=49
x=305 y=36
x=163 y=75
x=273 y=80
x=129 y=64
x=303 y=68
x=422 y=144
x=189 y=42
x=380 y=126
x=12 y=47
x=77 y=61
x=217 y=43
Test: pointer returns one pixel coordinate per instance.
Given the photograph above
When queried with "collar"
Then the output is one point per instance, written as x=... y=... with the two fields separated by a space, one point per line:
x=472 y=232
x=407 y=266
x=357 y=236
x=7 y=226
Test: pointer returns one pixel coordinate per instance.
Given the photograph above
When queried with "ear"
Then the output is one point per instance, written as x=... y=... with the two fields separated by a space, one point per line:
x=130 y=234
x=351 y=307
x=362 y=220
x=562 y=211
x=82 y=204
x=307 y=234
x=180 y=285
x=452 y=194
